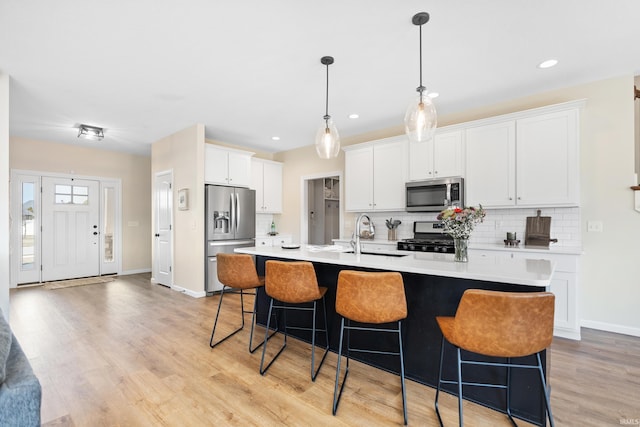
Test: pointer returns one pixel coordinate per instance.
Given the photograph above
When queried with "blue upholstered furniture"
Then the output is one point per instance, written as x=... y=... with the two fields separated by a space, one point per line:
x=20 y=392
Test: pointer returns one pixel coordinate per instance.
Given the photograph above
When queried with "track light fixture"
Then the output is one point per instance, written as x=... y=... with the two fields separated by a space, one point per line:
x=90 y=132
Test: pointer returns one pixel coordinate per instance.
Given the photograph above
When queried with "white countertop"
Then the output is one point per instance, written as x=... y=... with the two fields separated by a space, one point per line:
x=568 y=250
x=488 y=268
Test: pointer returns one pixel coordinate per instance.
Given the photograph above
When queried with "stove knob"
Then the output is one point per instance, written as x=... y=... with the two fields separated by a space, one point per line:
x=412 y=247
x=424 y=248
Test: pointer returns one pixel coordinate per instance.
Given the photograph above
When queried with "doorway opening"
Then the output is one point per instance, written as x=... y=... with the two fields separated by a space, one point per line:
x=321 y=211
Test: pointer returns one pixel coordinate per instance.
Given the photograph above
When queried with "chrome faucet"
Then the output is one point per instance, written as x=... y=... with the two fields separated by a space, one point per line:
x=357 y=249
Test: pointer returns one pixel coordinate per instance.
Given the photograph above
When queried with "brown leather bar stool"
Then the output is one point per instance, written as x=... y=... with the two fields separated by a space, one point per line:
x=237 y=272
x=375 y=299
x=502 y=325
x=291 y=286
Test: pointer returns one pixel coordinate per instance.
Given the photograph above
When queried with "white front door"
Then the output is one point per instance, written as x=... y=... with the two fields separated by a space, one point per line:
x=70 y=228
x=163 y=205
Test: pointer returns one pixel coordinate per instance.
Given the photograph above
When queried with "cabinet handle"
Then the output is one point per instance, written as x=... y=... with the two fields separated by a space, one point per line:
x=429 y=172
x=510 y=198
x=519 y=198
x=436 y=173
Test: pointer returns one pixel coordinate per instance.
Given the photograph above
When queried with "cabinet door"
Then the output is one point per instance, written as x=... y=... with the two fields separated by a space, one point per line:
x=390 y=174
x=447 y=154
x=358 y=174
x=272 y=179
x=239 y=169
x=257 y=183
x=262 y=242
x=216 y=166
x=490 y=163
x=547 y=160
x=420 y=160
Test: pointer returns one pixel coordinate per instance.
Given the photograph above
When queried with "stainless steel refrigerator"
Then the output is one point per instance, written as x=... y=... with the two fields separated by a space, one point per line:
x=230 y=223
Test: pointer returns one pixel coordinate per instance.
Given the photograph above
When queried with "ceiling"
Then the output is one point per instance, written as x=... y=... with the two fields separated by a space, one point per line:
x=249 y=70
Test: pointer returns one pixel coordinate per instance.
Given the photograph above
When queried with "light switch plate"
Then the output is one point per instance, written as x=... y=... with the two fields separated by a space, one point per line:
x=594 y=226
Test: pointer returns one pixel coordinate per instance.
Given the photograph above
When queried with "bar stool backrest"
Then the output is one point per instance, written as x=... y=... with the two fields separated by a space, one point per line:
x=237 y=271
x=292 y=282
x=503 y=324
x=371 y=297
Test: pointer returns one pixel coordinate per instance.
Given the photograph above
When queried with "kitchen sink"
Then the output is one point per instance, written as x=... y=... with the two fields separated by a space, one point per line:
x=379 y=254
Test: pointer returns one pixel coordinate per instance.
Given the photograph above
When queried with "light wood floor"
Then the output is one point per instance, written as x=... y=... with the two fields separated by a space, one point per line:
x=130 y=353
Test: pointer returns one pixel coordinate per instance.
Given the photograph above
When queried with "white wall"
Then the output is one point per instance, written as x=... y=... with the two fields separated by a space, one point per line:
x=4 y=194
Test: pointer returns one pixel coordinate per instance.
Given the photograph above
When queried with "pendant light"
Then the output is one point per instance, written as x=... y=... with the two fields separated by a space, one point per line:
x=420 y=120
x=327 y=138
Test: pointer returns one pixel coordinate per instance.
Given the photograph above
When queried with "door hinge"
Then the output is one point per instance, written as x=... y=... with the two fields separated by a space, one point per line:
x=170 y=269
x=170 y=227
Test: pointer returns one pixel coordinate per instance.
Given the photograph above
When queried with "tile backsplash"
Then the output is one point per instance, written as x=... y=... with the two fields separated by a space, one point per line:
x=565 y=224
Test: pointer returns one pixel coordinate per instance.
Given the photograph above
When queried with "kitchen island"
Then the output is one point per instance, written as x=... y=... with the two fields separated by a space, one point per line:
x=434 y=284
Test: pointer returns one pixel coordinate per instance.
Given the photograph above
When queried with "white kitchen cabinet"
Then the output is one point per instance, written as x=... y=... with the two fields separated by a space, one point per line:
x=375 y=175
x=279 y=240
x=266 y=179
x=527 y=159
x=490 y=159
x=439 y=157
x=564 y=285
x=227 y=166
x=547 y=162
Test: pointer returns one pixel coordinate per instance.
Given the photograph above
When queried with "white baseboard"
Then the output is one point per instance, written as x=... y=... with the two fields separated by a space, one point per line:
x=191 y=293
x=567 y=333
x=610 y=327
x=129 y=272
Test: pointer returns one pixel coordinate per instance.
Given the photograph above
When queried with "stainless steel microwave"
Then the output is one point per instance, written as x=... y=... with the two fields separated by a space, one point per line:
x=435 y=195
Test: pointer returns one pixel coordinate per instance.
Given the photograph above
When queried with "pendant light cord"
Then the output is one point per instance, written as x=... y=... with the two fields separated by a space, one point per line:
x=326 y=111
x=420 y=88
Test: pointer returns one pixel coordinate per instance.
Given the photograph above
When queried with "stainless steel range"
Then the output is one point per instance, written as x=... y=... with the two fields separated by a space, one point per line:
x=428 y=236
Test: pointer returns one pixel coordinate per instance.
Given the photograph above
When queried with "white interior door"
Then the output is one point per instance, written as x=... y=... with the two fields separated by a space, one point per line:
x=163 y=201
x=70 y=228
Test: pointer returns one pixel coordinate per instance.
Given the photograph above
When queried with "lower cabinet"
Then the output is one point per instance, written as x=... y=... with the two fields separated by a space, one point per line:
x=279 y=240
x=564 y=286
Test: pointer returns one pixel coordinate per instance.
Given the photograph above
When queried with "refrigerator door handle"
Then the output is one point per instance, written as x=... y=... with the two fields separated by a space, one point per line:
x=232 y=220
x=238 y=212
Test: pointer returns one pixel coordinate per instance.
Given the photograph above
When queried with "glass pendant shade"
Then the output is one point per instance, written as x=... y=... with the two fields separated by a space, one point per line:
x=327 y=140
x=421 y=119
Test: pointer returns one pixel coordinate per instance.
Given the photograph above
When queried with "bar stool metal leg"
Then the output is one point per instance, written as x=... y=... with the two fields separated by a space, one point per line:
x=439 y=382
x=266 y=337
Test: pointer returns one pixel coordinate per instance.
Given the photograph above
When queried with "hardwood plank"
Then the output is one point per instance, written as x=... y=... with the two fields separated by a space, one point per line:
x=133 y=353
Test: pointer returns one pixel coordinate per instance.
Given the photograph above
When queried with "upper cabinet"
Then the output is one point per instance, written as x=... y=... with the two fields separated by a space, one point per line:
x=440 y=157
x=525 y=159
x=227 y=166
x=266 y=179
x=375 y=175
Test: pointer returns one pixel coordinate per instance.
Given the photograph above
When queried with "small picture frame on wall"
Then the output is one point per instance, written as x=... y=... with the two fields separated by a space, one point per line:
x=183 y=199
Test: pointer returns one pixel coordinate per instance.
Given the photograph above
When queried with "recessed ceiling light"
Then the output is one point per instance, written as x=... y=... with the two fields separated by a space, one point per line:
x=548 y=63
x=275 y=138
x=353 y=116
x=433 y=95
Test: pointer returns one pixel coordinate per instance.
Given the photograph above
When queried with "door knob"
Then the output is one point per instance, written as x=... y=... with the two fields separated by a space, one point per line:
x=157 y=235
x=95 y=233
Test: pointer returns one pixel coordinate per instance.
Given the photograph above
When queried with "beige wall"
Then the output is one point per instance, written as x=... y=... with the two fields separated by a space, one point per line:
x=610 y=273
x=133 y=171
x=183 y=154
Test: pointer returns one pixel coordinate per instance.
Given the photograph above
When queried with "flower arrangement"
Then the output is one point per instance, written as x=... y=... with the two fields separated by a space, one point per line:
x=459 y=223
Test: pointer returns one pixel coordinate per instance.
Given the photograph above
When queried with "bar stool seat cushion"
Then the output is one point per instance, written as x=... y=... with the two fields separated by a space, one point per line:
x=239 y=271
x=501 y=324
x=364 y=300
x=293 y=282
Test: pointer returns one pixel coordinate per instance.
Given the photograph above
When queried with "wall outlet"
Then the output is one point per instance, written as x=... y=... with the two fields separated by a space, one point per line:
x=594 y=226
